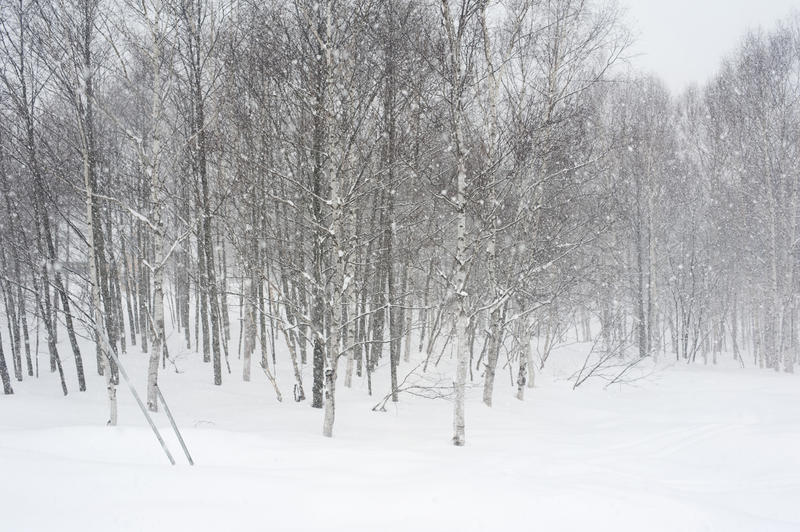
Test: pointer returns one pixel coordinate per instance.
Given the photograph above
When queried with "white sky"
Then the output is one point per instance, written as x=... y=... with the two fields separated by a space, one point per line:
x=683 y=41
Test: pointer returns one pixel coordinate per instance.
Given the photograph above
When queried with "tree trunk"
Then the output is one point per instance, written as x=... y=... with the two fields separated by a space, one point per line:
x=7 y=389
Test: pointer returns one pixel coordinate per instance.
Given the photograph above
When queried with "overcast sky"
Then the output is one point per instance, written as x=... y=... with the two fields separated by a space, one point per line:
x=683 y=41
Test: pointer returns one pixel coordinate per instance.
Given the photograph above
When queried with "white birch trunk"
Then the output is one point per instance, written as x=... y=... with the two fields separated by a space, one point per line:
x=99 y=332
x=408 y=326
x=462 y=321
x=351 y=298
x=249 y=331
x=495 y=326
x=524 y=358
x=335 y=341
x=529 y=357
x=153 y=168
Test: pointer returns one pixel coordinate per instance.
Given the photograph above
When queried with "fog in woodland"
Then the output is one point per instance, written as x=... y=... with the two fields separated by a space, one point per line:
x=379 y=210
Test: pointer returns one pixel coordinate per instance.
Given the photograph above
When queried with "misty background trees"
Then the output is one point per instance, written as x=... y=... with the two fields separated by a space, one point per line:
x=333 y=187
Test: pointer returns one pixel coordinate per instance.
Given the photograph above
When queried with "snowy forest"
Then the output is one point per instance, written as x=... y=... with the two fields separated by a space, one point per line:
x=405 y=201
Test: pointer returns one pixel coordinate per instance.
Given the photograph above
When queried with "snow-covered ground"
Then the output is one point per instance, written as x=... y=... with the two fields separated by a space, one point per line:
x=685 y=449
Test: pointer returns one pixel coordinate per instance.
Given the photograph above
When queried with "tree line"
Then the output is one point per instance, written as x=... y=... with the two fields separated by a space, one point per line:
x=360 y=183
